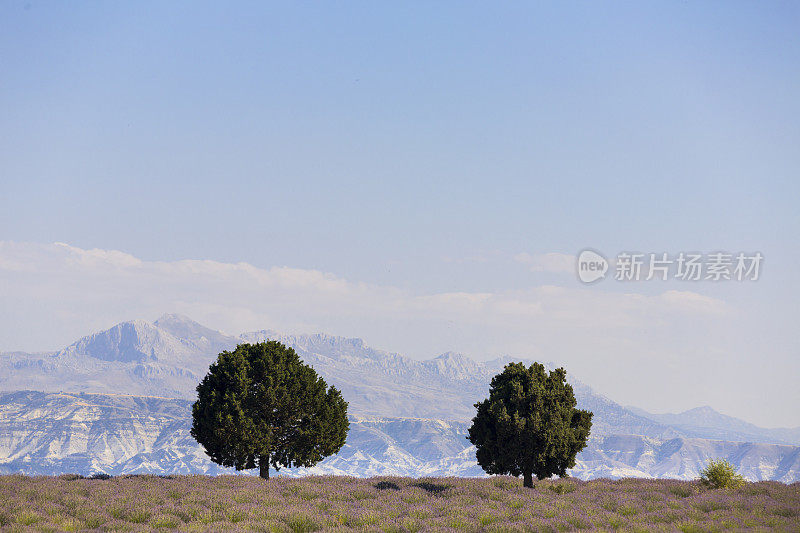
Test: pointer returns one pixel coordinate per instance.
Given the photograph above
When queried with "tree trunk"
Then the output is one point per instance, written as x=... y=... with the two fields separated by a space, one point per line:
x=527 y=479
x=263 y=466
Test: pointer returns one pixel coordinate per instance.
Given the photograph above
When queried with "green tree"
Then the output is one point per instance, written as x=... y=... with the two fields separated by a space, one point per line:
x=260 y=406
x=529 y=424
x=720 y=474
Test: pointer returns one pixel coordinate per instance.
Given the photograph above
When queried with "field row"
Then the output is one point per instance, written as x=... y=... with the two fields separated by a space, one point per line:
x=200 y=503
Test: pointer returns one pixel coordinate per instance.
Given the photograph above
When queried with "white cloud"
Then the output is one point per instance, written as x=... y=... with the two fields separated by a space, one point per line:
x=694 y=302
x=97 y=257
x=59 y=292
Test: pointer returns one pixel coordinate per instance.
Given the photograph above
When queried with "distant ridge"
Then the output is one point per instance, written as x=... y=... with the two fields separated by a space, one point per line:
x=168 y=357
x=706 y=422
x=387 y=392
x=57 y=433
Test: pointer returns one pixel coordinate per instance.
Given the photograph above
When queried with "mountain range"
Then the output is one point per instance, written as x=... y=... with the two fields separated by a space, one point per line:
x=118 y=401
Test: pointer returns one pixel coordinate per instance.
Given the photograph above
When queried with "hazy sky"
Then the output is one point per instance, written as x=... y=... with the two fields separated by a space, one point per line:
x=397 y=171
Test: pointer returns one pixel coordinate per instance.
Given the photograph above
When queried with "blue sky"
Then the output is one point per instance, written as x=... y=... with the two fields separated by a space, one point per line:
x=420 y=147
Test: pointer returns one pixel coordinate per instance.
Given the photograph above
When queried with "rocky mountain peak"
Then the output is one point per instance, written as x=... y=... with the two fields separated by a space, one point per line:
x=185 y=328
x=130 y=341
x=455 y=365
x=175 y=319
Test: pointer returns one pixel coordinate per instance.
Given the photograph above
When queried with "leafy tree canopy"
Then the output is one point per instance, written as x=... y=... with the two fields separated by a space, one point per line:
x=260 y=406
x=529 y=424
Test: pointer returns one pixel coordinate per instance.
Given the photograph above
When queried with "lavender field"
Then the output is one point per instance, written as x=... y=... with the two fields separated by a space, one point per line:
x=201 y=503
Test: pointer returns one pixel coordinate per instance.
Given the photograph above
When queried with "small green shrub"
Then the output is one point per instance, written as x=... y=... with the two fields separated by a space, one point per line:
x=720 y=474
